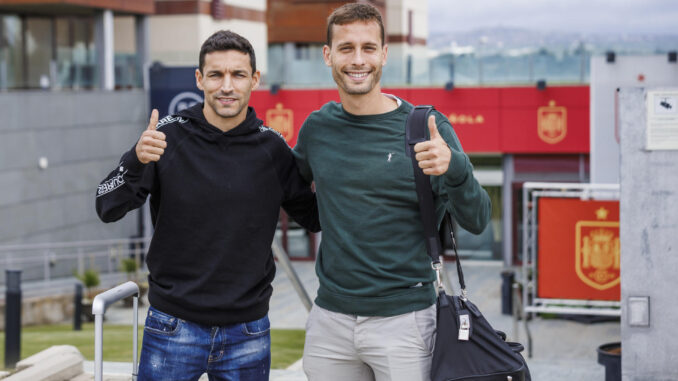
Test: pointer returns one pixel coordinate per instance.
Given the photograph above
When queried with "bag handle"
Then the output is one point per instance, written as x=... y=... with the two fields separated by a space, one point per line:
x=415 y=132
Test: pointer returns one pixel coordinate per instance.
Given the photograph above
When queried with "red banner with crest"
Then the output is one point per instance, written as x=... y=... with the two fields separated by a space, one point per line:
x=486 y=119
x=578 y=249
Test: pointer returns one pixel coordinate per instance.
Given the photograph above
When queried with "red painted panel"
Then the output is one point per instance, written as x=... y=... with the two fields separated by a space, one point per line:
x=488 y=119
x=520 y=108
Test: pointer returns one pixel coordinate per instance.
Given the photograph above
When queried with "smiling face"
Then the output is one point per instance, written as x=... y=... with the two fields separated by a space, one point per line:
x=356 y=57
x=227 y=82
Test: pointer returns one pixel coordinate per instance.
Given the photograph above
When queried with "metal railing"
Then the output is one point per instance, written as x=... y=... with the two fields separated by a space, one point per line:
x=532 y=303
x=51 y=268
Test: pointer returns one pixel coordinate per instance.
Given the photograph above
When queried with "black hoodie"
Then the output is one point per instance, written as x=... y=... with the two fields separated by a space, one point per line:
x=215 y=199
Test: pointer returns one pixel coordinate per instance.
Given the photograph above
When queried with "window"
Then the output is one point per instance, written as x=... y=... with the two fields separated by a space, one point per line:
x=46 y=52
x=488 y=244
x=126 y=64
x=75 y=52
x=38 y=52
x=11 y=52
x=302 y=52
x=60 y=52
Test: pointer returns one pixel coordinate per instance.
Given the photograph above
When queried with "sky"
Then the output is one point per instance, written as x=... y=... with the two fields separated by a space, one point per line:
x=579 y=16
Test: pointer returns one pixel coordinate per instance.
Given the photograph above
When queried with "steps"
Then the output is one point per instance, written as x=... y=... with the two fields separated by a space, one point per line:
x=57 y=363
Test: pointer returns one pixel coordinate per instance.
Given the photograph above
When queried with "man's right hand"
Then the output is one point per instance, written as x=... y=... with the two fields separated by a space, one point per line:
x=151 y=144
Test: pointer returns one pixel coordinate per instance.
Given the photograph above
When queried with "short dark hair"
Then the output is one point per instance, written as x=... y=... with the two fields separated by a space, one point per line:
x=352 y=12
x=227 y=40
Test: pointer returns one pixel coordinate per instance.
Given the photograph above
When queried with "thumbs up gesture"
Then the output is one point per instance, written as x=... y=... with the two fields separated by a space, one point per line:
x=151 y=144
x=434 y=154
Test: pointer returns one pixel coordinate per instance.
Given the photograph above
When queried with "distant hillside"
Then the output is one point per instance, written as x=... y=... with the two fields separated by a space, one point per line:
x=506 y=38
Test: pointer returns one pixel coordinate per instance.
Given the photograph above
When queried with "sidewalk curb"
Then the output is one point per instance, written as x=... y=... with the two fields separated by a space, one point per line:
x=297 y=365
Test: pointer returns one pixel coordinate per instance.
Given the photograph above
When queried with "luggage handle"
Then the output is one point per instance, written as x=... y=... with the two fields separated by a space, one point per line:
x=99 y=306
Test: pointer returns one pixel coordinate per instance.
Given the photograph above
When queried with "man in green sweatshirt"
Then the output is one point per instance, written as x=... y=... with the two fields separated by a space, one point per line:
x=374 y=316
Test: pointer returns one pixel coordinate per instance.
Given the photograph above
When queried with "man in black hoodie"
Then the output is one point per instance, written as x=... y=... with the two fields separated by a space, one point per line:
x=217 y=179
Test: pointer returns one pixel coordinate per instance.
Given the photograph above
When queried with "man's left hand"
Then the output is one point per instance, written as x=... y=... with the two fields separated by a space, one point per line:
x=434 y=154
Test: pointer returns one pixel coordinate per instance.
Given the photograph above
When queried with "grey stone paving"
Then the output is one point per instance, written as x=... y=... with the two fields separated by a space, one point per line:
x=562 y=350
x=124 y=368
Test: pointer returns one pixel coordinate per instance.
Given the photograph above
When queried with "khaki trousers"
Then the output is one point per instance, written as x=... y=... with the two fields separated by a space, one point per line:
x=342 y=347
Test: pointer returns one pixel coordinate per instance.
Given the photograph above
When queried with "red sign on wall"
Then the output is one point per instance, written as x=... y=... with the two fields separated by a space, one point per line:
x=487 y=119
x=578 y=256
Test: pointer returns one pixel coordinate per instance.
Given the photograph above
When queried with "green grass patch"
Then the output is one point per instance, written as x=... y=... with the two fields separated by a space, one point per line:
x=287 y=345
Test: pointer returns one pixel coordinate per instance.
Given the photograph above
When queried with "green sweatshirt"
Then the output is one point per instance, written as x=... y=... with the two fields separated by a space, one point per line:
x=372 y=259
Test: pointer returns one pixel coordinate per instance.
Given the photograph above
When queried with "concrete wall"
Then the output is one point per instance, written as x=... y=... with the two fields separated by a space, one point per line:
x=82 y=135
x=397 y=17
x=649 y=247
x=53 y=309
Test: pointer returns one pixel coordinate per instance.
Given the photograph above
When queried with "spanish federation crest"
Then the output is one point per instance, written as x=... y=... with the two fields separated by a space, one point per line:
x=281 y=120
x=597 y=243
x=552 y=123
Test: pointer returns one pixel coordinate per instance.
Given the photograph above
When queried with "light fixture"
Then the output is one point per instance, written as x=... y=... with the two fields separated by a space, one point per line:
x=610 y=56
x=275 y=87
x=43 y=163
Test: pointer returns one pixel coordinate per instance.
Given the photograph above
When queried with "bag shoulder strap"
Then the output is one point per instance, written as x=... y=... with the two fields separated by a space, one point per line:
x=416 y=133
x=416 y=127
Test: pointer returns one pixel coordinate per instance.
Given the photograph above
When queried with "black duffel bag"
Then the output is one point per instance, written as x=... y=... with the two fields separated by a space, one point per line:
x=467 y=348
x=484 y=356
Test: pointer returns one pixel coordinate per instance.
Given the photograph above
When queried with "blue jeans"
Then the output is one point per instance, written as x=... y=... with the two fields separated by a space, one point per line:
x=174 y=349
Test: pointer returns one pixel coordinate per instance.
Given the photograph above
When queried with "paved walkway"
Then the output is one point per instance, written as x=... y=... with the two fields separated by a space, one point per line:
x=562 y=350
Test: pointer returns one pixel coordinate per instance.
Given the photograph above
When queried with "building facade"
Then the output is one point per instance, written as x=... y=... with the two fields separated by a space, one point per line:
x=65 y=126
x=56 y=57
x=74 y=98
x=297 y=33
x=178 y=28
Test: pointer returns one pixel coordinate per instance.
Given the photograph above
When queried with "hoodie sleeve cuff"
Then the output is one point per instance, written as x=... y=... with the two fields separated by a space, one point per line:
x=131 y=162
